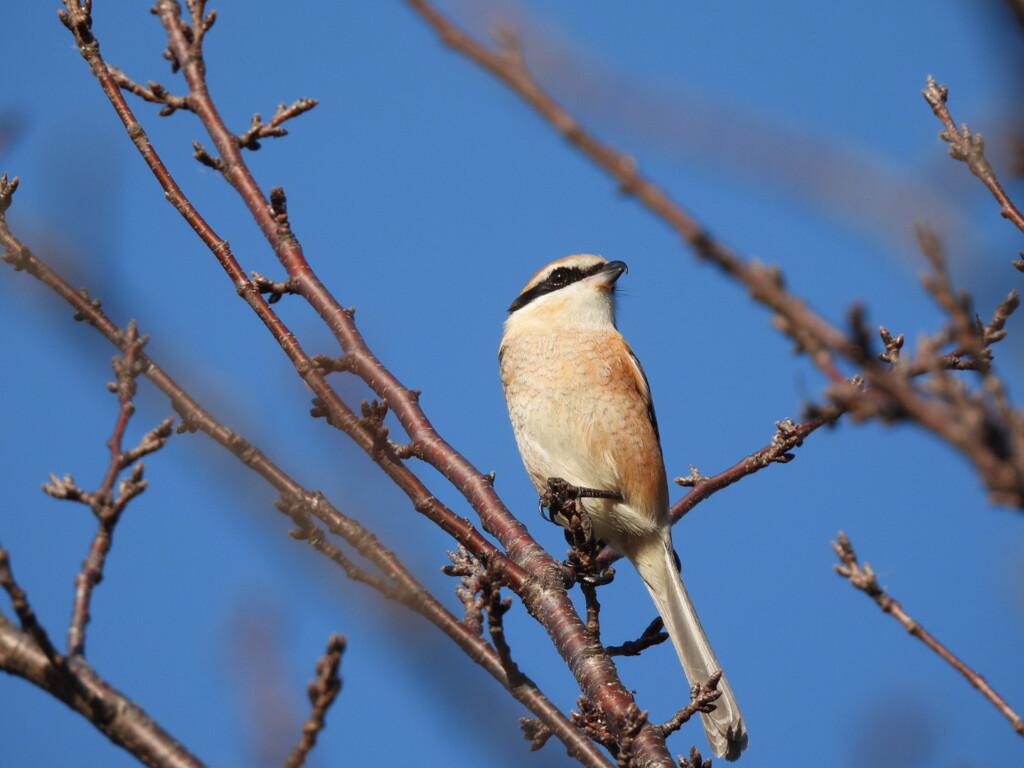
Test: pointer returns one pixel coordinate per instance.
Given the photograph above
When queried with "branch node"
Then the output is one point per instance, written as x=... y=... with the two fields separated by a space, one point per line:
x=692 y=480
x=276 y=288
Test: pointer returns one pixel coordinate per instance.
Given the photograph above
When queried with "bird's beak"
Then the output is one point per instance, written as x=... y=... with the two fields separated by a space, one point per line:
x=606 y=278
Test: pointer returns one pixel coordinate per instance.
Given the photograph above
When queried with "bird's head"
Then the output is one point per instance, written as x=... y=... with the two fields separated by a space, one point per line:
x=574 y=291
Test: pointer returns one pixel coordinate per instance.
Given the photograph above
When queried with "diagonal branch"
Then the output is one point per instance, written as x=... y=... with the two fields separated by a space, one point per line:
x=970 y=148
x=27 y=653
x=822 y=341
x=863 y=578
x=812 y=333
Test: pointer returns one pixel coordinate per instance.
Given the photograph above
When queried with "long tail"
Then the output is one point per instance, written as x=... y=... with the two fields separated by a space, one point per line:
x=725 y=728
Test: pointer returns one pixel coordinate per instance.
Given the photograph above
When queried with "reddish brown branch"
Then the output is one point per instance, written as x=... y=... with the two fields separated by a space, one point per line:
x=322 y=691
x=403 y=401
x=185 y=49
x=788 y=435
x=863 y=578
x=526 y=567
x=405 y=587
x=970 y=148
x=106 y=502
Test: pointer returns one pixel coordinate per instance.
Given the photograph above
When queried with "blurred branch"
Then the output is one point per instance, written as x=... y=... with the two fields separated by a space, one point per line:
x=886 y=394
x=792 y=316
x=980 y=423
x=322 y=691
x=970 y=148
x=863 y=578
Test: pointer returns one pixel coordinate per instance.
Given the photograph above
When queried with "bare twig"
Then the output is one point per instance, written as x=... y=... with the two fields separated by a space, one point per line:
x=862 y=576
x=23 y=610
x=276 y=288
x=702 y=698
x=653 y=635
x=106 y=502
x=970 y=148
x=322 y=691
x=788 y=435
x=152 y=92
x=260 y=130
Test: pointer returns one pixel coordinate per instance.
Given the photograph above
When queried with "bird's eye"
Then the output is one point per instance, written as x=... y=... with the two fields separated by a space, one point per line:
x=559 y=277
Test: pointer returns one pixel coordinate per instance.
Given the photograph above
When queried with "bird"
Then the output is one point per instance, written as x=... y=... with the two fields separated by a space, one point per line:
x=581 y=410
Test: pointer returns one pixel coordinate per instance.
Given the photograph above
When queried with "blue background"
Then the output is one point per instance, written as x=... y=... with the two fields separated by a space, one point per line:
x=425 y=194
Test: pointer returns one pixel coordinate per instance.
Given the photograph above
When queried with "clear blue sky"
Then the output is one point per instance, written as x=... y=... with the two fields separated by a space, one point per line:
x=425 y=195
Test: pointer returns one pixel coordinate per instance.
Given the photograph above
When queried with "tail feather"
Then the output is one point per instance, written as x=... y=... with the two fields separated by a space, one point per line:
x=724 y=727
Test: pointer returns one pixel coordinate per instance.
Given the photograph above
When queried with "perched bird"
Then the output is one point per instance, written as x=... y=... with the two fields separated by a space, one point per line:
x=581 y=411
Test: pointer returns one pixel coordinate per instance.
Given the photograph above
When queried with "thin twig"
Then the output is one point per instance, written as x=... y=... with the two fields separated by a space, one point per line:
x=970 y=148
x=322 y=691
x=25 y=613
x=788 y=435
x=654 y=634
x=106 y=502
x=152 y=92
x=702 y=698
x=862 y=576
x=260 y=130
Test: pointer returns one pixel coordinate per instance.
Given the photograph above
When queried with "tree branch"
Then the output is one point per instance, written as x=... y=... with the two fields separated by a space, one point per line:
x=28 y=654
x=863 y=578
x=322 y=691
x=969 y=148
